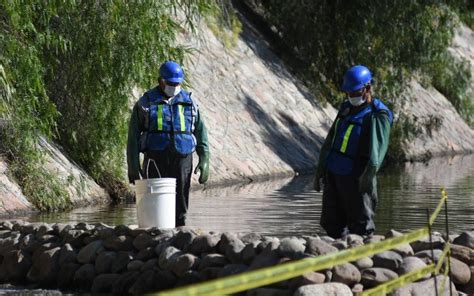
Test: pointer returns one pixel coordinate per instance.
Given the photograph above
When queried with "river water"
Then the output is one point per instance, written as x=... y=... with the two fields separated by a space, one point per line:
x=289 y=206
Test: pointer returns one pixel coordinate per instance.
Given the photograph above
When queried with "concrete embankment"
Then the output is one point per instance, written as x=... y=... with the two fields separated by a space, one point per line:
x=127 y=260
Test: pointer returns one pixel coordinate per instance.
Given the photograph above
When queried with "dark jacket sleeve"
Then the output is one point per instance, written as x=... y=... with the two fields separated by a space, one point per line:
x=379 y=139
x=200 y=132
x=326 y=148
x=133 y=152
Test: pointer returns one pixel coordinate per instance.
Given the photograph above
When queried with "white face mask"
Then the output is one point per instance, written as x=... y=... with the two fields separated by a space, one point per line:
x=172 y=90
x=357 y=101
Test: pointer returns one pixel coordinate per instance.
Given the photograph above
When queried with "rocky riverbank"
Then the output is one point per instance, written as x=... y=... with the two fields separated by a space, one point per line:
x=125 y=259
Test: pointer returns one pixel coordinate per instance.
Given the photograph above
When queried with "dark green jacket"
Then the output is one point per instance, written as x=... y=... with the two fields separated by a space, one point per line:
x=379 y=140
x=137 y=127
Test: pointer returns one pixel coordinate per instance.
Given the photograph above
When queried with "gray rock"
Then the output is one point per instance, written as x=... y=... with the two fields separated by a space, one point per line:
x=184 y=238
x=463 y=253
x=231 y=269
x=103 y=283
x=167 y=257
x=327 y=239
x=47 y=238
x=10 y=243
x=164 y=280
x=84 y=277
x=357 y=289
x=213 y=260
x=393 y=233
x=326 y=289
x=268 y=292
x=45 y=267
x=460 y=272
x=265 y=259
x=388 y=259
x=104 y=261
x=204 y=244
x=354 y=240
x=106 y=233
x=231 y=247
x=6 y=225
x=28 y=228
x=346 y=273
x=135 y=265
x=404 y=250
x=66 y=275
x=121 y=262
x=145 y=254
x=189 y=278
x=150 y=264
x=426 y=287
x=209 y=273
x=268 y=244
x=162 y=246
x=60 y=227
x=363 y=263
x=14 y=266
x=144 y=283
x=124 y=282
x=319 y=247
x=249 y=252
x=374 y=239
x=74 y=237
x=84 y=226
x=89 y=252
x=410 y=264
x=122 y=230
x=424 y=243
x=427 y=257
x=465 y=239
x=374 y=276
x=119 y=243
x=309 y=278
x=183 y=263
x=291 y=247
x=251 y=238
x=143 y=241
x=28 y=243
x=67 y=255
x=469 y=287
x=44 y=229
x=340 y=244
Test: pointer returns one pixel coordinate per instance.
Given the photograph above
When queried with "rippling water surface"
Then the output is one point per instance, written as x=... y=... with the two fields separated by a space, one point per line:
x=286 y=207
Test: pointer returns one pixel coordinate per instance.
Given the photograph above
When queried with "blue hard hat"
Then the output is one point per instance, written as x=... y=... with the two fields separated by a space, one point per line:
x=356 y=78
x=172 y=72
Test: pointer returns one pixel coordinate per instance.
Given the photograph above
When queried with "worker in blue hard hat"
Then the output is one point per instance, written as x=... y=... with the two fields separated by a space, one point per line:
x=351 y=156
x=167 y=127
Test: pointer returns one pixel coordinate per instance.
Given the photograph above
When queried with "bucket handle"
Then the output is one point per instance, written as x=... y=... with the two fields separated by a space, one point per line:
x=148 y=166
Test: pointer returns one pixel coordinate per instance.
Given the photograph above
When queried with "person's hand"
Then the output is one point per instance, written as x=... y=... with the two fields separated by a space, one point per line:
x=366 y=179
x=203 y=166
x=318 y=178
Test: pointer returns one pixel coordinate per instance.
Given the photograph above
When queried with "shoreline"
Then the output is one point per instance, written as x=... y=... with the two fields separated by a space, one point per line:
x=123 y=259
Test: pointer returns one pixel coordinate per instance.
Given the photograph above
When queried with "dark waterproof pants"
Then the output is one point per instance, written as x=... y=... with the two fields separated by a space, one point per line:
x=345 y=209
x=173 y=165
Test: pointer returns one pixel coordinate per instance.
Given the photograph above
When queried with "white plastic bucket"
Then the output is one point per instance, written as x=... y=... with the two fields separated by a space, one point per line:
x=156 y=202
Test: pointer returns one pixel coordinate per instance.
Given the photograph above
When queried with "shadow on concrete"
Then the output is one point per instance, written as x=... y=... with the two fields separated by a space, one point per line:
x=299 y=149
x=272 y=51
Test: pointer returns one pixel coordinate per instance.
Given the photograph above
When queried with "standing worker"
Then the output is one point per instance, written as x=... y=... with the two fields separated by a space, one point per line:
x=167 y=127
x=351 y=156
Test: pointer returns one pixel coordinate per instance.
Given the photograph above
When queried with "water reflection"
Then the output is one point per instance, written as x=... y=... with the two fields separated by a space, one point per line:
x=285 y=207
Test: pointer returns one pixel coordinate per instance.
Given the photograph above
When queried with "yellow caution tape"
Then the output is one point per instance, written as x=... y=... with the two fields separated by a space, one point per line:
x=438 y=208
x=270 y=275
x=403 y=280
x=408 y=278
x=266 y=276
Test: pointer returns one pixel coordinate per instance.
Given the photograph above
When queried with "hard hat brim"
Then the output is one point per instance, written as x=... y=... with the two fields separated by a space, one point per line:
x=174 y=80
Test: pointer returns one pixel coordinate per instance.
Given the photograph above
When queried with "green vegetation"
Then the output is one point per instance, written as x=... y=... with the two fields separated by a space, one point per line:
x=395 y=39
x=67 y=72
